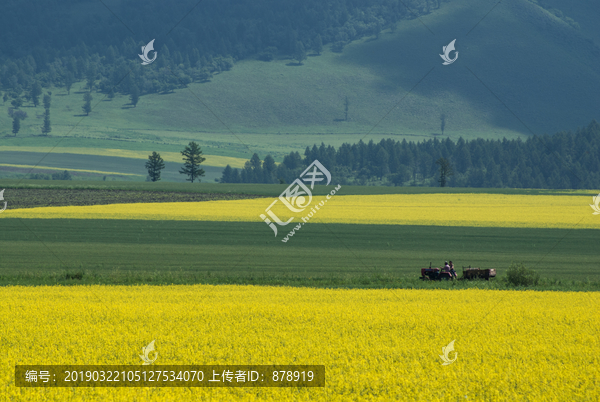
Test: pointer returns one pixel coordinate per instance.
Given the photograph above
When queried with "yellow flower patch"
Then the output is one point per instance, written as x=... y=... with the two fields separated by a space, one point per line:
x=375 y=344
x=485 y=210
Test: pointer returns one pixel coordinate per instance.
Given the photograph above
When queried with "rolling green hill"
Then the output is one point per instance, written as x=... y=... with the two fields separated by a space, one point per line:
x=521 y=66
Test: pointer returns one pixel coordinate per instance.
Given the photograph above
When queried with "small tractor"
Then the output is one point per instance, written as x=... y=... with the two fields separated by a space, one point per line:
x=438 y=274
x=435 y=274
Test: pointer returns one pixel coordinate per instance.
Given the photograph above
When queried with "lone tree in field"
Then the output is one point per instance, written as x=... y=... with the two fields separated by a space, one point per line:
x=47 y=128
x=154 y=165
x=87 y=106
x=135 y=95
x=69 y=80
x=17 y=116
x=300 y=53
x=192 y=158
x=346 y=106
x=47 y=100
x=443 y=120
x=446 y=171
x=17 y=102
x=318 y=45
x=91 y=76
x=36 y=91
x=16 y=126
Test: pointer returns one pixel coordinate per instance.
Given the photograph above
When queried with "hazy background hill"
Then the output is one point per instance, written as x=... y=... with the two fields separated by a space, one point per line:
x=524 y=65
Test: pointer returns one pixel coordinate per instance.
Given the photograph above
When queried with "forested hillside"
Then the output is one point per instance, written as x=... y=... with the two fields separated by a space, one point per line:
x=93 y=42
x=564 y=160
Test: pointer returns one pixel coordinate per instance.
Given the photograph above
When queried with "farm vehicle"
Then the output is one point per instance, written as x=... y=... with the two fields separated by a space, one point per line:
x=438 y=274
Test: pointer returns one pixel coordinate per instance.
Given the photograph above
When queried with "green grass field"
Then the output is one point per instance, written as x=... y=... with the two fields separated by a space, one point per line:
x=114 y=168
x=43 y=251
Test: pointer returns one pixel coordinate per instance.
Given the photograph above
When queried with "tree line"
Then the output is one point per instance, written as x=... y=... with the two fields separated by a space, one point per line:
x=565 y=160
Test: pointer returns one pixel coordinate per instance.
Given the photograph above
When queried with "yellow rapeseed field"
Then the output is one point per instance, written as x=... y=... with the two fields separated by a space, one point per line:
x=490 y=210
x=375 y=344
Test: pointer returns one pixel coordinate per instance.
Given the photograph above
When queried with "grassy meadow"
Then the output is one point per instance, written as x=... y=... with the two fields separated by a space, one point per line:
x=43 y=251
x=98 y=167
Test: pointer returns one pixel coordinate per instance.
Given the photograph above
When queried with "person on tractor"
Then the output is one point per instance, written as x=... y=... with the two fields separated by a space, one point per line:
x=452 y=271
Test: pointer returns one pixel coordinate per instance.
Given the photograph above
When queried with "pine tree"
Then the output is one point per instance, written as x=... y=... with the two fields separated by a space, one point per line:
x=269 y=168
x=443 y=122
x=87 y=106
x=17 y=116
x=346 y=106
x=17 y=102
x=235 y=176
x=445 y=171
x=135 y=95
x=300 y=53
x=227 y=173
x=16 y=126
x=36 y=91
x=46 y=128
x=69 y=80
x=154 y=165
x=192 y=157
x=318 y=45
x=91 y=76
x=47 y=101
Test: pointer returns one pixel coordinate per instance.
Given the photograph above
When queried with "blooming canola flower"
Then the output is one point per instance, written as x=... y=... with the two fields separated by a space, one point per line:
x=479 y=210
x=375 y=344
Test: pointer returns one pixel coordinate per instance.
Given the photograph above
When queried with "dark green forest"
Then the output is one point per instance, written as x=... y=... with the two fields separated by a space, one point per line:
x=58 y=42
x=564 y=160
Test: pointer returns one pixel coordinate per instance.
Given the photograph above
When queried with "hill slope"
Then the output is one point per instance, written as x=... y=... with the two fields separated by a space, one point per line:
x=520 y=66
